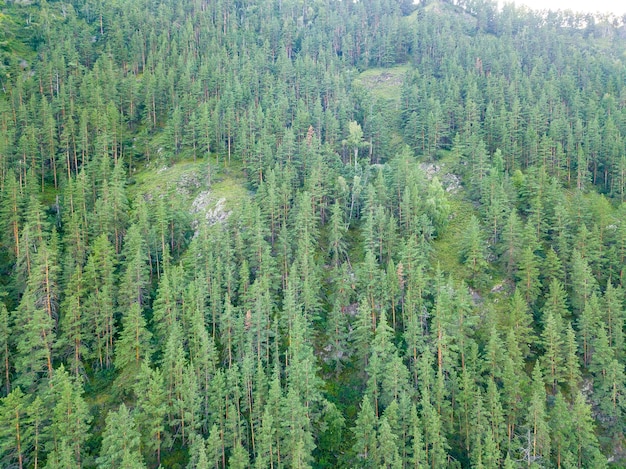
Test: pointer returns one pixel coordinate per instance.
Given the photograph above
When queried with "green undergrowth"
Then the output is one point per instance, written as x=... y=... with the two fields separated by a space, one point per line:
x=230 y=185
x=189 y=178
x=447 y=244
x=383 y=83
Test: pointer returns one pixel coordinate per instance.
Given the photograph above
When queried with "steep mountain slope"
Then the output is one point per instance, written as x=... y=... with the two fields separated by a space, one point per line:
x=311 y=234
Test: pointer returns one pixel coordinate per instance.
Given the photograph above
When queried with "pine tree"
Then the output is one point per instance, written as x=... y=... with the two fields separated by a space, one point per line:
x=513 y=384
x=552 y=341
x=528 y=275
x=537 y=419
x=120 y=441
x=418 y=455
x=572 y=363
x=300 y=457
x=610 y=397
x=39 y=429
x=435 y=440
x=134 y=280
x=10 y=212
x=189 y=406
x=383 y=350
x=613 y=316
x=214 y=450
x=151 y=410
x=273 y=408
x=466 y=401
x=395 y=381
x=588 y=323
x=473 y=248
x=508 y=463
x=62 y=457
x=166 y=309
x=182 y=387
x=552 y=268
x=556 y=301
x=133 y=347
x=37 y=316
x=331 y=435
x=602 y=353
x=265 y=453
x=197 y=453
x=337 y=230
x=363 y=332
x=338 y=332
x=511 y=244
x=70 y=415
x=298 y=444
x=5 y=338
x=34 y=234
x=33 y=359
x=15 y=439
x=583 y=282
x=520 y=319
x=586 y=443
x=99 y=305
x=561 y=433
x=118 y=203
x=442 y=325
x=387 y=446
x=203 y=357
x=365 y=436
x=73 y=324
x=495 y=413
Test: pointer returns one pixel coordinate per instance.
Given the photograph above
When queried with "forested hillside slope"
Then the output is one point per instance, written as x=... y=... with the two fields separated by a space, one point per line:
x=311 y=234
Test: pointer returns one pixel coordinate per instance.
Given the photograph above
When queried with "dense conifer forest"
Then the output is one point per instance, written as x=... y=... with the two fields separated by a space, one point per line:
x=311 y=234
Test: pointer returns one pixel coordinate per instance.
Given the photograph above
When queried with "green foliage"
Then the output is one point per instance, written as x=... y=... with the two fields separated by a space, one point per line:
x=224 y=226
x=15 y=434
x=69 y=429
x=365 y=446
x=120 y=441
x=133 y=346
x=473 y=250
x=383 y=83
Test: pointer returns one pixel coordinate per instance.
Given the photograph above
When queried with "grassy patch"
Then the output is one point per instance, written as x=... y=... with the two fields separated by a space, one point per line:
x=229 y=182
x=232 y=190
x=444 y=7
x=383 y=83
x=412 y=18
x=159 y=178
x=188 y=178
x=447 y=244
